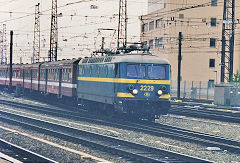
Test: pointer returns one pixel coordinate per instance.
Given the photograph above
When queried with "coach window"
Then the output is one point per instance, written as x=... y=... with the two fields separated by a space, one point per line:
x=64 y=74
x=52 y=74
x=58 y=74
x=49 y=74
x=55 y=74
x=67 y=74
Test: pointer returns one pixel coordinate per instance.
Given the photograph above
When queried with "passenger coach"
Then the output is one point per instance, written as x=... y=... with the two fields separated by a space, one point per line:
x=59 y=78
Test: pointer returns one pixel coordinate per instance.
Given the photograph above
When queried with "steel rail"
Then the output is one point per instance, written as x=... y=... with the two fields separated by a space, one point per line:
x=201 y=112
x=135 y=151
x=15 y=153
x=155 y=129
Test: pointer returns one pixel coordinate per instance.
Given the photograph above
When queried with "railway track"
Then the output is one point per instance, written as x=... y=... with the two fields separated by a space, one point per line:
x=14 y=153
x=155 y=129
x=128 y=150
x=206 y=112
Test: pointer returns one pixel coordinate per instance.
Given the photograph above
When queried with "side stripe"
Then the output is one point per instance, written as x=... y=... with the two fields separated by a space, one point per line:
x=121 y=80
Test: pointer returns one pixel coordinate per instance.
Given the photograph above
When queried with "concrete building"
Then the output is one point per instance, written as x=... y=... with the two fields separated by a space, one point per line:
x=201 y=27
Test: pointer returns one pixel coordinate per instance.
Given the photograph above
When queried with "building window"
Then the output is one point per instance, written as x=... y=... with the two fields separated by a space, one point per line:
x=181 y=16
x=151 y=44
x=211 y=63
x=212 y=42
x=159 y=23
x=144 y=44
x=214 y=3
x=213 y=22
x=211 y=84
x=144 y=27
x=159 y=42
x=151 y=25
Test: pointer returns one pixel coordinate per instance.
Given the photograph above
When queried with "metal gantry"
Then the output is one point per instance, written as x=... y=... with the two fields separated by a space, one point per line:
x=228 y=28
x=4 y=45
x=122 y=24
x=54 y=33
x=36 y=40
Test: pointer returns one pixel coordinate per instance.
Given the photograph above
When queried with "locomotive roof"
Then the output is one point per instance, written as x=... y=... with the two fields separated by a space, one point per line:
x=133 y=58
x=61 y=63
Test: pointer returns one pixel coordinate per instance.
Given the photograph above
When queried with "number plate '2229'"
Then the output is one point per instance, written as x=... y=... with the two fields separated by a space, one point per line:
x=146 y=88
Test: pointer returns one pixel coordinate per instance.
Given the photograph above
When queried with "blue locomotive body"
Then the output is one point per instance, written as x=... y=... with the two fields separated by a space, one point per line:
x=134 y=84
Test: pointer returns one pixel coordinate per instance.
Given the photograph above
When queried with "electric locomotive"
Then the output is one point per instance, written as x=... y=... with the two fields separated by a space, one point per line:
x=133 y=84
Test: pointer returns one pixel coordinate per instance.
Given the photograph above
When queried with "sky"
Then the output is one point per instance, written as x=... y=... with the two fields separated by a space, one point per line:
x=80 y=29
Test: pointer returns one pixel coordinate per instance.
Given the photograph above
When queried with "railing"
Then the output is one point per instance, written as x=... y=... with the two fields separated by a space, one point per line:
x=194 y=90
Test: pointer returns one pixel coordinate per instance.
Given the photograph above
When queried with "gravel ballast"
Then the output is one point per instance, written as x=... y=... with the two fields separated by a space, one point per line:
x=226 y=130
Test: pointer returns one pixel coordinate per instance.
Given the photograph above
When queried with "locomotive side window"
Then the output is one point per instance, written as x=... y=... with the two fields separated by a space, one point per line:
x=117 y=70
x=106 y=70
x=98 y=70
x=90 y=71
x=81 y=70
x=157 y=72
x=136 y=71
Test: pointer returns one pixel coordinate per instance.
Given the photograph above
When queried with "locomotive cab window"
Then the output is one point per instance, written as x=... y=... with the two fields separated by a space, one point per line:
x=157 y=72
x=136 y=71
x=117 y=70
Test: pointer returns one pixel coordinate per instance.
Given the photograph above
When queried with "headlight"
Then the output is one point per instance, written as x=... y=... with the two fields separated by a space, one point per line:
x=135 y=91
x=160 y=92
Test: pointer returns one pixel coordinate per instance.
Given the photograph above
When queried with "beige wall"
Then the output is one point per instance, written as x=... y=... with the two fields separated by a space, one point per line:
x=197 y=31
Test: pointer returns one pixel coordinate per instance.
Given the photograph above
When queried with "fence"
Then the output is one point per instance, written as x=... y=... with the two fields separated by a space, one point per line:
x=194 y=90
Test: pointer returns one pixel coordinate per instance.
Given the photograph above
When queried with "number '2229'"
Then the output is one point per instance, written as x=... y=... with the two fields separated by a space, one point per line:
x=146 y=88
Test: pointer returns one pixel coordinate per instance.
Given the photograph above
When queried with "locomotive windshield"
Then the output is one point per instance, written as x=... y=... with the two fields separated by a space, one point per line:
x=157 y=72
x=149 y=71
x=136 y=71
